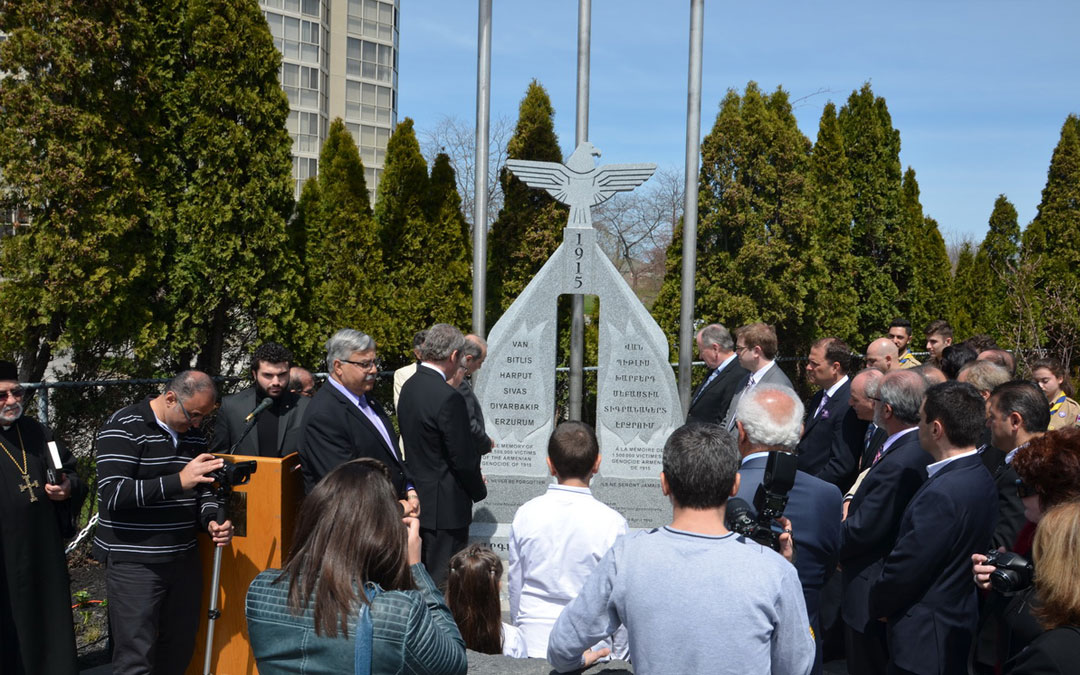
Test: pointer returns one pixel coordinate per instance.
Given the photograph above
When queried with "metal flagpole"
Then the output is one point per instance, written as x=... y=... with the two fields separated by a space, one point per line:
x=577 y=324
x=690 y=206
x=480 y=174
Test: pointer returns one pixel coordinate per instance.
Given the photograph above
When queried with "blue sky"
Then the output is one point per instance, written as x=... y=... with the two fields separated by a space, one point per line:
x=978 y=90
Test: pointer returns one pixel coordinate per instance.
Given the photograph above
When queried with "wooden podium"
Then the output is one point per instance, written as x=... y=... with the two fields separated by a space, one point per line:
x=263 y=513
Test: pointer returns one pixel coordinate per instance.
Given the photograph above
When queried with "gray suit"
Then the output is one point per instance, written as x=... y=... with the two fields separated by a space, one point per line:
x=773 y=376
x=230 y=423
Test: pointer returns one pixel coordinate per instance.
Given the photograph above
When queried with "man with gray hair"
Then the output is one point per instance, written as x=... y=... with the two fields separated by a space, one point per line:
x=473 y=354
x=769 y=419
x=712 y=398
x=874 y=514
x=443 y=458
x=343 y=422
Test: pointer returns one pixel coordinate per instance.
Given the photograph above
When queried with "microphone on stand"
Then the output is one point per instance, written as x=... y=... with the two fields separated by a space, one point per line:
x=266 y=403
x=250 y=422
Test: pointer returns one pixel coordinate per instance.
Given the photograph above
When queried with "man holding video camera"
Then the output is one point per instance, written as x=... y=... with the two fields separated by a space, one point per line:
x=154 y=477
x=768 y=420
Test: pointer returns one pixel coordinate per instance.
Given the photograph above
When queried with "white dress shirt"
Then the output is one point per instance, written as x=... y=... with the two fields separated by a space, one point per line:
x=556 y=540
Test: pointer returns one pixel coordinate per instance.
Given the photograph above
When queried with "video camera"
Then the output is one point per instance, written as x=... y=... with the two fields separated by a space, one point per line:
x=234 y=473
x=770 y=500
x=1014 y=572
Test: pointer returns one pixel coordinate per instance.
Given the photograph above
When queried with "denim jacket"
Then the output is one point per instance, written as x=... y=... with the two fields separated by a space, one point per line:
x=413 y=631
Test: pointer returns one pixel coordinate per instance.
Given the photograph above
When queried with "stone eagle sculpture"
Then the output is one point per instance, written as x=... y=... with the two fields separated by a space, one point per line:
x=579 y=183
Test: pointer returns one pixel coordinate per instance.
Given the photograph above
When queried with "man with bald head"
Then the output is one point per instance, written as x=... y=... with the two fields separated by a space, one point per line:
x=864 y=391
x=769 y=419
x=874 y=516
x=882 y=355
x=1001 y=357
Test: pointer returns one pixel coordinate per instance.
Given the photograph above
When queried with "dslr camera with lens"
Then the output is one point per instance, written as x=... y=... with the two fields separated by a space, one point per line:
x=1014 y=572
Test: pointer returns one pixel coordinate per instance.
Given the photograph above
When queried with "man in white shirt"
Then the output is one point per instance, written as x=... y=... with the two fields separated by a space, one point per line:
x=558 y=538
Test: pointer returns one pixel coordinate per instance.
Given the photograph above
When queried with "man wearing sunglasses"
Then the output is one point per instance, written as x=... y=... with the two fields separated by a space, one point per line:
x=36 y=633
x=154 y=498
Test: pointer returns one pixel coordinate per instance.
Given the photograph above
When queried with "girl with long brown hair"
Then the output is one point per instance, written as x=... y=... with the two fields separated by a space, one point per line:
x=472 y=592
x=353 y=581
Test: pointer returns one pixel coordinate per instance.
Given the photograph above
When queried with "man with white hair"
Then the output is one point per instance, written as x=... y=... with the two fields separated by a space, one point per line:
x=769 y=419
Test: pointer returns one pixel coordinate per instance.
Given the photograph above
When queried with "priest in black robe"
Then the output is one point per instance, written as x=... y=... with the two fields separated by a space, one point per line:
x=37 y=636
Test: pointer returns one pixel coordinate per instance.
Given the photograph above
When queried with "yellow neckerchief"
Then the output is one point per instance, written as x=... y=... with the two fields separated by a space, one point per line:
x=906 y=356
x=1058 y=403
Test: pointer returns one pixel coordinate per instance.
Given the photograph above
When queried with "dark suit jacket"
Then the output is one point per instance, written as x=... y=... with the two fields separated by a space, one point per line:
x=230 y=423
x=476 y=418
x=335 y=431
x=1010 y=509
x=874 y=515
x=832 y=442
x=773 y=376
x=814 y=509
x=877 y=439
x=709 y=403
x=1052 y=653
x=439 y=450
x=925 y=586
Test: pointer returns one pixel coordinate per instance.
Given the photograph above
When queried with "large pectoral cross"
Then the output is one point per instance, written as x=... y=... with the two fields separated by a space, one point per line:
x=30 y=485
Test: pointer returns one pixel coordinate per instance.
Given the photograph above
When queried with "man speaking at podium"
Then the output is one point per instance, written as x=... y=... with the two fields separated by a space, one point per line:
x=277 y=427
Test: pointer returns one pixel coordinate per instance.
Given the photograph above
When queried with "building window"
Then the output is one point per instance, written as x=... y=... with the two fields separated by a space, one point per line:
x=370 y=60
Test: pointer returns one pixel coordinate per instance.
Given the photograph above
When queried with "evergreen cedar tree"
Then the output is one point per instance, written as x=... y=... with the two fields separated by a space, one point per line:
x=164 y=230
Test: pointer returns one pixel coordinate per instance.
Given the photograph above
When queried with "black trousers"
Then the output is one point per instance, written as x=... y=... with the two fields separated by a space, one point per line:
x=867 y=653
x=154 y=614
x=437 y=547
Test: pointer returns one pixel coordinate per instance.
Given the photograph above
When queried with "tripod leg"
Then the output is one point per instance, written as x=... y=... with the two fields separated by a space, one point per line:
x=212 y=615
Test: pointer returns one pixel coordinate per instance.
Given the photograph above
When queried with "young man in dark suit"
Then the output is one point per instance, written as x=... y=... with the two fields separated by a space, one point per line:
x=895 y=473
x=275 y=431
x=925 y=591
x=443 y=459
x=343 y=422
x=769 y=419
x=832 y=433
x=713 y=396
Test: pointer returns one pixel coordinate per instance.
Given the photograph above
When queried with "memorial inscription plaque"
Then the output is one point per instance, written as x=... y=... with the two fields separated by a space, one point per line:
x=637 y=398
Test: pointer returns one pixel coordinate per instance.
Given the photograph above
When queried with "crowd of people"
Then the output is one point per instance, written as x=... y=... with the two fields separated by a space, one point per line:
x=925 y=498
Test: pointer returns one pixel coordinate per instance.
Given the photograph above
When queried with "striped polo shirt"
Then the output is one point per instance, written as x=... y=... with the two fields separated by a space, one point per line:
x=144 y=513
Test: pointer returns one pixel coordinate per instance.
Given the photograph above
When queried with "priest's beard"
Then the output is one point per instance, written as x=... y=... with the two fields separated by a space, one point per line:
x=10 y=413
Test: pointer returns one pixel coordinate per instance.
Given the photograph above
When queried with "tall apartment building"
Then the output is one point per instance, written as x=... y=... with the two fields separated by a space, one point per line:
x=339 y=59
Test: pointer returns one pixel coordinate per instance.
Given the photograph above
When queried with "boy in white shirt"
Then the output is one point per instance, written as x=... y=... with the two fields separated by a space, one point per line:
x=557 y=539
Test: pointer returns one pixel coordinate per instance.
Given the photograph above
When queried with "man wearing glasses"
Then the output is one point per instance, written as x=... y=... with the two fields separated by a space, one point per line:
x=153 y=498
x=343 y=422
x=36 y=634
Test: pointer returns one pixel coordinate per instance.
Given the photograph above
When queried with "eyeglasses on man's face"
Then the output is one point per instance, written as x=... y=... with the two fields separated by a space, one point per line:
x=16 y=393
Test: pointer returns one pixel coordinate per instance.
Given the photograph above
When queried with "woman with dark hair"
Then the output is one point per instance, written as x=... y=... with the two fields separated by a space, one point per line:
x=1054 y=381
x=472 y=593
x=1049 y=471
x=353 y=591
x=1057 y=586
